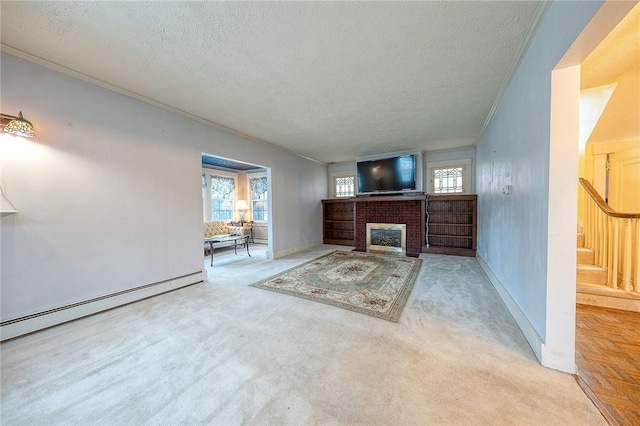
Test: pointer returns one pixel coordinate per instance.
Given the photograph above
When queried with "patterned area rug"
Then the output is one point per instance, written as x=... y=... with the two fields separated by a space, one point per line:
x=372 y=284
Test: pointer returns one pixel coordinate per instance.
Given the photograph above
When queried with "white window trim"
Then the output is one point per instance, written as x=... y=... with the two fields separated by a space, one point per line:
x=336 y=175
x=254 y=175
x=465 y=163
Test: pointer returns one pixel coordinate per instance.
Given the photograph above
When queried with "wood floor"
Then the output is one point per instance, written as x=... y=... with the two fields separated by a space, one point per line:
x=608 y=360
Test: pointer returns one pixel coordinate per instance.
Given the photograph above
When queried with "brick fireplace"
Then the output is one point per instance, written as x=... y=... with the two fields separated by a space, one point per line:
x=391 y=209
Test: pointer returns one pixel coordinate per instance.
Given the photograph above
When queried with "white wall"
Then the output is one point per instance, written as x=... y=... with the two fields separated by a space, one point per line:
x=515 y=149
x=110 y=191
x=342 y=167
x=427 y=157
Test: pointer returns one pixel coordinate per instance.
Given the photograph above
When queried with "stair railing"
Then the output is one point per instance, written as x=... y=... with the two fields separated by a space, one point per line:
x=615 y=238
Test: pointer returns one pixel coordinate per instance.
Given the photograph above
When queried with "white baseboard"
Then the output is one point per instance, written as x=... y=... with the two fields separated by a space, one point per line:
x=523 y=322
x=292 y=250
x=39 y=321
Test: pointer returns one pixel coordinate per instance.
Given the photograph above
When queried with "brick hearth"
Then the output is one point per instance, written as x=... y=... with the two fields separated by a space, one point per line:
x=407 y=210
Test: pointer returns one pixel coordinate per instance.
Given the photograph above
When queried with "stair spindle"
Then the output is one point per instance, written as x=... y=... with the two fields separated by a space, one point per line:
x=636 y=278
x=626 y=266
x=616 y=245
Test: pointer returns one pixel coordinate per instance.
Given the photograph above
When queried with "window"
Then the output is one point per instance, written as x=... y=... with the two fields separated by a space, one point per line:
x=259 y=196
x=446 y=181
x=344 y=184
x=222 y=195
x=449 y=177
x=219 y=190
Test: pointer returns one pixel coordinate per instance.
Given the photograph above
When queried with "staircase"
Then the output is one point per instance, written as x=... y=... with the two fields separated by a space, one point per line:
x=610 y=277
x=587 y=273
x=591 y=284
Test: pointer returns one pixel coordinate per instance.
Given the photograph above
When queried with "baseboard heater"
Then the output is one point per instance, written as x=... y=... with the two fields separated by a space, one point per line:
x=34 y=322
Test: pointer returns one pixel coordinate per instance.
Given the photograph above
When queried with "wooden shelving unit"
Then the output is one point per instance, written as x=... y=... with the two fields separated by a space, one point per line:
x=338 y=221
x=451 y=224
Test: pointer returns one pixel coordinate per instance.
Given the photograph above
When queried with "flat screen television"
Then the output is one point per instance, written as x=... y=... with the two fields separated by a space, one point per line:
x=393 y=174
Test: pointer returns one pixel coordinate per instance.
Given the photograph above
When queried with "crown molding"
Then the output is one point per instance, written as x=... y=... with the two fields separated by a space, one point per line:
x=543 y=6
x=91 y=80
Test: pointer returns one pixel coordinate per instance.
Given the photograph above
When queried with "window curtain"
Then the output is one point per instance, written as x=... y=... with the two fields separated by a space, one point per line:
x=222 y=185
x=258 y=186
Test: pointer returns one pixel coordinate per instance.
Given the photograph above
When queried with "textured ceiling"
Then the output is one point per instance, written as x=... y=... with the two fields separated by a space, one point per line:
x=619 y=53
x=328 y=80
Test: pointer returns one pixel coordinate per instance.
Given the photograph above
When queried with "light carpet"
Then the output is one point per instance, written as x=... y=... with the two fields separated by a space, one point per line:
x=372 y=284
x=222 y=353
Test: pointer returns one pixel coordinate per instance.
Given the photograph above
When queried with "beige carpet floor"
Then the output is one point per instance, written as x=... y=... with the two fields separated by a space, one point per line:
x=225 y=353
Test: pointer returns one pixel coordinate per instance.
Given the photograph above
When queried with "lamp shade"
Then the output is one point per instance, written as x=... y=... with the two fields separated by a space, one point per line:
x=241 y=205
x=21 y=127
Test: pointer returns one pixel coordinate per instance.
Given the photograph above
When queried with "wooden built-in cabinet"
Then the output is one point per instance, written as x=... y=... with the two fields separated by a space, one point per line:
x=451 y=224
x=338 y=222
x=449 y=221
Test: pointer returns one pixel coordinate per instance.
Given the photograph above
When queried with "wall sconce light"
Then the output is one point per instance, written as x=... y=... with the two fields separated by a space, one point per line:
x=242 y=207
x=17 y=125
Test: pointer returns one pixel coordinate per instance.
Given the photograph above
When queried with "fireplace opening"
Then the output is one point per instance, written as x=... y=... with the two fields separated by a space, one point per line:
x=387 y=238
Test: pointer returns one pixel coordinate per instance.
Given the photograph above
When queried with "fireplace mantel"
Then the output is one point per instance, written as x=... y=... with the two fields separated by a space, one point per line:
x=374 y=198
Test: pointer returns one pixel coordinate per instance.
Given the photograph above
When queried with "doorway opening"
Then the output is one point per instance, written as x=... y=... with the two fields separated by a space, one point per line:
x=574 y=133
x=237 y=193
